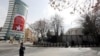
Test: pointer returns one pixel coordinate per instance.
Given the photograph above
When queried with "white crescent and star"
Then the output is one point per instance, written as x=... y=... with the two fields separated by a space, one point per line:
x=18 y=28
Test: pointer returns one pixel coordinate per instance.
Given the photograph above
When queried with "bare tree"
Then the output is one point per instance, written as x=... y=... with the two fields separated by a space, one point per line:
x=81 y=6
x=40 y=27
x=56 y=23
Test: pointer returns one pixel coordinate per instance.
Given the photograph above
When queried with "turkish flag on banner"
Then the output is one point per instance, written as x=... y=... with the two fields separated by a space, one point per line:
x=18 y=24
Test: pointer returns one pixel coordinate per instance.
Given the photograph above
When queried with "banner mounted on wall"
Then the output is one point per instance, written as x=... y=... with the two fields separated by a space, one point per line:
x=18 y=23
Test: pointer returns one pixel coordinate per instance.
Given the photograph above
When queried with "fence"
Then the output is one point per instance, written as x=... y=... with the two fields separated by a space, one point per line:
x=45 y=44
x=73 y=41
x=82 y=41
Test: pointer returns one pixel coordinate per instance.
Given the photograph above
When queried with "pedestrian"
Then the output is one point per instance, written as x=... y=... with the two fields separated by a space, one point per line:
x=72 y=43
x=21 y=50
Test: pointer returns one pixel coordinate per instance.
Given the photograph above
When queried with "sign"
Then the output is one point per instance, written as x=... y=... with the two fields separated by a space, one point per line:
x=18 y=24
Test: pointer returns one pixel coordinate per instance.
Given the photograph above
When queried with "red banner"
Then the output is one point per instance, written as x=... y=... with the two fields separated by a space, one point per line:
x=18 y=24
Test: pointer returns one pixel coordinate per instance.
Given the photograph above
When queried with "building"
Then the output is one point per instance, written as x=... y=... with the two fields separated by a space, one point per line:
x=73 y=34
x=74 y=31
x=0 y=28
x=29 y=36
x=15 y=21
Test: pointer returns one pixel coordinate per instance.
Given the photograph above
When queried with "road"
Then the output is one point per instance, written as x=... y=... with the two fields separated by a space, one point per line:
x=12 y=50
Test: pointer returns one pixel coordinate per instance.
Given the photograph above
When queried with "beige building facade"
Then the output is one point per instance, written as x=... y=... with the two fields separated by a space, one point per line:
x=29 y=36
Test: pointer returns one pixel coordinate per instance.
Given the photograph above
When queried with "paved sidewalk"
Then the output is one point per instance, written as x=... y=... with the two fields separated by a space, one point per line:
x=12 y=50
x=65 y=52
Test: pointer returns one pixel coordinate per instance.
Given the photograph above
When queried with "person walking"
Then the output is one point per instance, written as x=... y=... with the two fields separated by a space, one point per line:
x=21 y=50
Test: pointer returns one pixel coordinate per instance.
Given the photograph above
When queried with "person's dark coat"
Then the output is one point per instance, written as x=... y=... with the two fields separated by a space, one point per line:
x=21 y=50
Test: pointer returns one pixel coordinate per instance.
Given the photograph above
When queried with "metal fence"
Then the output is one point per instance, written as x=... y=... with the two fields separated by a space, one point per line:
x=73 y=41
x=82 y=41
x=46 y=44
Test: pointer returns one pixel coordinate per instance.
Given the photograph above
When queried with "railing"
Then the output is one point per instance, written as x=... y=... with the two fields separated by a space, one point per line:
x=73 y=41
x=39 y=44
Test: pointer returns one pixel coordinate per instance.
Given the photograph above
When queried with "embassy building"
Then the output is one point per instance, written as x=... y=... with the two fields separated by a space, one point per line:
x=15 y=21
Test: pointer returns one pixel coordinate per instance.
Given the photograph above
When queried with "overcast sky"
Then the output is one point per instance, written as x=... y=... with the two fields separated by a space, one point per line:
x=39 y=9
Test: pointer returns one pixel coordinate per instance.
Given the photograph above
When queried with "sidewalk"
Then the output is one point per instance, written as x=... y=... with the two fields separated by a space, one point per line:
x=5 y=44
x=65 y=52
x=15 y=43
